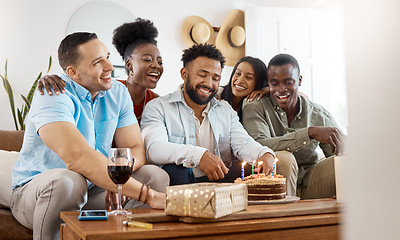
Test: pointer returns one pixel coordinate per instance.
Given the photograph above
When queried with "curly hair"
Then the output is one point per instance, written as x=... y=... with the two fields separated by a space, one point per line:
x=68 y=53
x=129 y=36
x=261 y=75
x=202 y=50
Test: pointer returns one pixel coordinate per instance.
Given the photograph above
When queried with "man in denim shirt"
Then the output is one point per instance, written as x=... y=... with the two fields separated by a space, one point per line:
x=191 y=134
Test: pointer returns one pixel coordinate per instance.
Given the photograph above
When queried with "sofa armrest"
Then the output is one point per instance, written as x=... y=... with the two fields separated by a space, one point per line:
x=11 y=228
x=11 y=140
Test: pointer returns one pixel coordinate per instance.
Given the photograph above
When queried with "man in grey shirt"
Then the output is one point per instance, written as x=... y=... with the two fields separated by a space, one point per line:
x=285 y=120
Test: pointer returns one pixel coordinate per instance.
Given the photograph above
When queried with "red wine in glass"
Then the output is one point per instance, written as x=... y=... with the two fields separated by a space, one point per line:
x=120 y=164
x=119 y=174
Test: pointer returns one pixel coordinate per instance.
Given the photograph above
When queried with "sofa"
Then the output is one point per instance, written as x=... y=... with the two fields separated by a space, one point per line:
x=10 y=145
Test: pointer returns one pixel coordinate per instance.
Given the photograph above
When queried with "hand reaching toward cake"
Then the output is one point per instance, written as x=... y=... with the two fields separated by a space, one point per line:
x=268 y=162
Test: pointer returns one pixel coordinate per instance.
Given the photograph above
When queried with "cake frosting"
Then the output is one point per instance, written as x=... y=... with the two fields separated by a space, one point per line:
x=264 y=188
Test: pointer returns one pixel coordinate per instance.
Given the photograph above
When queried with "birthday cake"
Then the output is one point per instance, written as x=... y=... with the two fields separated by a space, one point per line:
x=264 y=188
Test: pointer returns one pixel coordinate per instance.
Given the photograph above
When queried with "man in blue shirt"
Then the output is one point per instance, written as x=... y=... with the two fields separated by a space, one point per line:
x=63 y=164
x=191 y=134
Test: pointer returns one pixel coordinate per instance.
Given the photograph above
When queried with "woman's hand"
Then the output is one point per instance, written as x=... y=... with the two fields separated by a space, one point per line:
x=256 y=93
x=156 y=199
x=51 y=82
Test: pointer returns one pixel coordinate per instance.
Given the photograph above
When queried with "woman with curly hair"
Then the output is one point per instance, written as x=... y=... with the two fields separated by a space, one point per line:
x=136 y=43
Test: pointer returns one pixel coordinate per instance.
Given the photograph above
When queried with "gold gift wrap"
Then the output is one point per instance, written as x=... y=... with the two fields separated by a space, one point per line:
x=206 y=200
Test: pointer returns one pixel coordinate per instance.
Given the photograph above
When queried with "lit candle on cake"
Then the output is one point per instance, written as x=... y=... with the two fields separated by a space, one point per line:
x=258 y=168
x=243 y=163
x=274 y=168
x=252 y=167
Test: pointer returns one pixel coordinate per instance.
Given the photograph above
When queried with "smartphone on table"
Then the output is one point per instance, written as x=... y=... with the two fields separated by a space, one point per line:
x=93 y=215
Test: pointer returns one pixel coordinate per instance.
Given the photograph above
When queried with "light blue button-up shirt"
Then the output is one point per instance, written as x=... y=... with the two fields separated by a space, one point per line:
x=168 y=129
x=97 y=121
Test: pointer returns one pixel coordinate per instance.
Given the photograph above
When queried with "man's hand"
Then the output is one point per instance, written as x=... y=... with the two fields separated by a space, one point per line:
x=212 y=166
x=268 y=162
x=51 y=82
x=333 y=136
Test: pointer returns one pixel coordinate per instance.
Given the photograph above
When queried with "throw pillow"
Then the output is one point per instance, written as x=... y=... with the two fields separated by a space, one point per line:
x=7 y=162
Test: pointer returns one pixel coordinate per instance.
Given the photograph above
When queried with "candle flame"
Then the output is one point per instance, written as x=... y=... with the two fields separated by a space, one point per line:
x=260 y=162
x=276 y=159
x=243 y=163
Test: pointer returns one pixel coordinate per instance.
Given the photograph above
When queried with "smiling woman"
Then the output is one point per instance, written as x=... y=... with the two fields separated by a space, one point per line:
x=136 y=43
x=248 y=75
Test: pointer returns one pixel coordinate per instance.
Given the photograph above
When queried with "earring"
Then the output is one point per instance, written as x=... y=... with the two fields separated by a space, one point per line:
x=131 y=73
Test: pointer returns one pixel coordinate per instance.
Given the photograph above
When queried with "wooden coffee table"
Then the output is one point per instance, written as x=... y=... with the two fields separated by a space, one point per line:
x=305 y=219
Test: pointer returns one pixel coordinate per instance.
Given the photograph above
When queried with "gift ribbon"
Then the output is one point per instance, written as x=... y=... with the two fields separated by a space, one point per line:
x=188 y=195
x=186 y=202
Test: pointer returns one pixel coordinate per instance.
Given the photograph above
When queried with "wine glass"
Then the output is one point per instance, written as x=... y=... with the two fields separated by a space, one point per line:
x=120 y=162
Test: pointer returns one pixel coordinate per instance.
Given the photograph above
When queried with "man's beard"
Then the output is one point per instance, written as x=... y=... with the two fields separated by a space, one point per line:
x=196 y=98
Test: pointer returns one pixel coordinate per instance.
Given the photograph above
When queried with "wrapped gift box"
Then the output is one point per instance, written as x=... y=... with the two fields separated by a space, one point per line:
x=206 y=200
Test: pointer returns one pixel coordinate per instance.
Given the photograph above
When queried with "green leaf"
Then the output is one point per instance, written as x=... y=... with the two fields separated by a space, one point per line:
x=28 y=100
x=5 y=75
x=26 y=107
x=33 y=88
x=10 y=94
x=20 y=120
x=24 y=112
x=50 y=63
x=20 y=115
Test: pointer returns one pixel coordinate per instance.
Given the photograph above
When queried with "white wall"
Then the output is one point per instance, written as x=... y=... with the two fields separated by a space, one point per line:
x=372 y=37
x=32 y=30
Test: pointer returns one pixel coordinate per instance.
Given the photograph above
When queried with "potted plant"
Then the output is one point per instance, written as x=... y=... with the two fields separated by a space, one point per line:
x=19 y=114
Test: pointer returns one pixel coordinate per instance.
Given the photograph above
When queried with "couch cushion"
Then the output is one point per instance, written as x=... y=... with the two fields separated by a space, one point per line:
x=7 y=162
